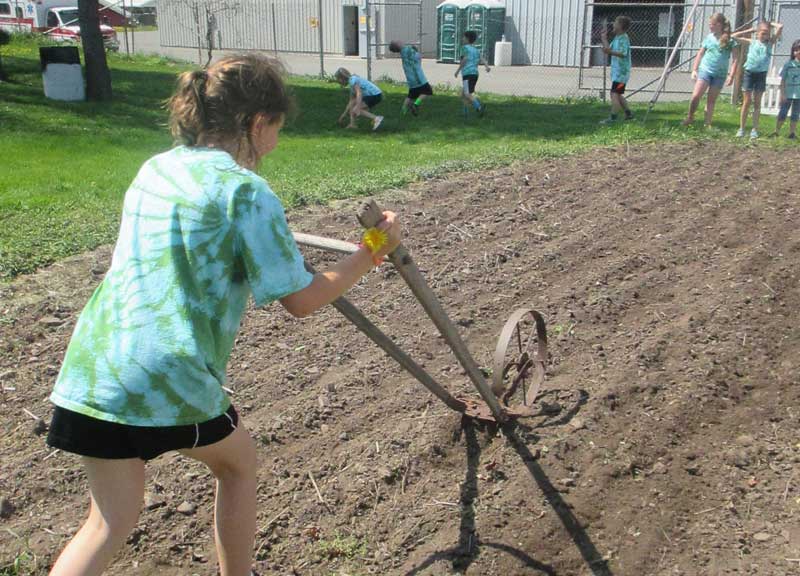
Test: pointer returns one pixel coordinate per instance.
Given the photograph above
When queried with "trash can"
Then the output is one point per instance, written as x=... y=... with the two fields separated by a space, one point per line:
x=62 y=74
x=503 y=52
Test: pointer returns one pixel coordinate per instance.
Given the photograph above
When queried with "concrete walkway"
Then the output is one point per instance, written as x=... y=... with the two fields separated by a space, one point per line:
x=540 y=81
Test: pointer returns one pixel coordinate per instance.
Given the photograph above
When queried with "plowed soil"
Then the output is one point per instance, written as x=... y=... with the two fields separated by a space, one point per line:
x=669 y=439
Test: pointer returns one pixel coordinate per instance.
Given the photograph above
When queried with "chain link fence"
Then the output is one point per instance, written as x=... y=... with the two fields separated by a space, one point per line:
x=555 y=44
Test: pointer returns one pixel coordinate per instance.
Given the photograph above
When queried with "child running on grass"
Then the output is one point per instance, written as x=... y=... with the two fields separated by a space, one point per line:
x=713 y=67
x=144 y=372
x=754 y=81
x=470 y=60
x=790 y=93
x=418 y=86
x=620 y=52
x=364 y=96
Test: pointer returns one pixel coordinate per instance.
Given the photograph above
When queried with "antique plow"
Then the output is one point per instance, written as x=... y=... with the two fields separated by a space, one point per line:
x=518 y=368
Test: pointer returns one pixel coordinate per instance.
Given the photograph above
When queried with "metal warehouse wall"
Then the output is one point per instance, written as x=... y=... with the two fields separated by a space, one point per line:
x=545 y=32
x=248 y=24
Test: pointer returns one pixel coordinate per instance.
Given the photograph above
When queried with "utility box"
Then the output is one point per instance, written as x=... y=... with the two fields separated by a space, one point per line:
x=62 y=74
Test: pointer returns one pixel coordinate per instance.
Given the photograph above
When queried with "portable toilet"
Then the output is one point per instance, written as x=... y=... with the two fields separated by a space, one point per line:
x=450 y=20
x=487 y=18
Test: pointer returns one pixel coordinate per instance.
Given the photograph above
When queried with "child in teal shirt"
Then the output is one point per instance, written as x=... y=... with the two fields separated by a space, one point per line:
x=790 y=93
x=620 y=52
x=418 y=86
x=754 y=80
x=468 y=67
x=714 y=67
x=364 y=96
x=145 y=369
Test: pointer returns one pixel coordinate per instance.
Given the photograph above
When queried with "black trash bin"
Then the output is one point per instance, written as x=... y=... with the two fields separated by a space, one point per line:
x=62 y=75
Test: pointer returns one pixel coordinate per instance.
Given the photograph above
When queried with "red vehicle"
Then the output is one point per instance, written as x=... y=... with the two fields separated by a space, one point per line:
x=55 y=18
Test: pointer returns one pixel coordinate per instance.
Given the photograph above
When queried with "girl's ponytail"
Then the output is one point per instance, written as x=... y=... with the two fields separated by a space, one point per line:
x=187 y=107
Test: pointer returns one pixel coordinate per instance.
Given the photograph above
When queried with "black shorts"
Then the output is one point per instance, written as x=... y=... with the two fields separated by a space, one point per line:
x=372 y=101
x=414 y=93
x=618 y=88
x=87 y=436
x=469 y=82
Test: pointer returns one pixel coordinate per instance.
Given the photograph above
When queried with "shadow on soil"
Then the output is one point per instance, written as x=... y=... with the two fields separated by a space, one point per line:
x=469 y=545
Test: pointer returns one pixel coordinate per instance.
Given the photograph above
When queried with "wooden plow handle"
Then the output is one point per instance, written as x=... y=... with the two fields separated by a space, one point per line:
x=369 y=215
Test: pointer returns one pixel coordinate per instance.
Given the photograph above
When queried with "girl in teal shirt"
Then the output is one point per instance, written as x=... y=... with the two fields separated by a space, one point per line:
x=754 y=80
x=711 y=68
x=144 y=371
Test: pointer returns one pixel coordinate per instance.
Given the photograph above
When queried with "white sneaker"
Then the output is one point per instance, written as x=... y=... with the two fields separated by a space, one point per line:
x=740 y=133
x=753 y=134
x=377 y=122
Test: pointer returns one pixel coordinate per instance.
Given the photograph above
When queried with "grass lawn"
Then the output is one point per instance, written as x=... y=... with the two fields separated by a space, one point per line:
x=66 y=166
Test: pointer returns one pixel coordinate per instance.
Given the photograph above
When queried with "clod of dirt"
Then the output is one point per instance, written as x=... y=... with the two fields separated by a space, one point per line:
x=761 y=536
x=152 y=501
x=186 y=508
x=39 y=427
x=50 y=321
x=7 y=508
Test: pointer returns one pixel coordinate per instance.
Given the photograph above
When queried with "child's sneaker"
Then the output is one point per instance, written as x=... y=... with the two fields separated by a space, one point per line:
x=482 y=110
x=792 y=136
x=376 y=122
x=628 y=115
x=610 y=120
x=740 y=133
x=753 y=134
x=414 y=109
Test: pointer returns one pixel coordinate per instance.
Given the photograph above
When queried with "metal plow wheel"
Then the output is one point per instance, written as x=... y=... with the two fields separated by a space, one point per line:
x=519 y=361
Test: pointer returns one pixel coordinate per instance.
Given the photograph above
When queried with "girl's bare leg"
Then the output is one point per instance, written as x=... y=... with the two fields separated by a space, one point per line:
x=233 y=462
x=117 y=490
x=713 y=93
x=757 y=96
x=697 y=94
x=747 y=99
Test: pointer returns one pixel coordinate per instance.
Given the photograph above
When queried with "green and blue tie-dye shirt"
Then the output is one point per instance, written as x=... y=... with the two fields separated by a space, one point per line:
x=367 y=87
x=199 y=234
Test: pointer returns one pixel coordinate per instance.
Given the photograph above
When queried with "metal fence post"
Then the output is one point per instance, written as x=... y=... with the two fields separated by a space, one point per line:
x=321 y=37
x=369 y=40
x=419 y=39
x=274 y=30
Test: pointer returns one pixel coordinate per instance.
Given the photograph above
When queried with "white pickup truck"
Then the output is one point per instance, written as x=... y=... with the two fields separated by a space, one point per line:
x=57 y=19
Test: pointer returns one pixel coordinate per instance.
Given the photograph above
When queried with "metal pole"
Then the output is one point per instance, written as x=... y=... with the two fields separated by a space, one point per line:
x=419 y=23
x=369 y=39
x=583 y=44
x=663 y=79
x=199 y=36
x=669 y=37
x=133 y=39
x=125 y=28
x=274 y=30
x=321 y=36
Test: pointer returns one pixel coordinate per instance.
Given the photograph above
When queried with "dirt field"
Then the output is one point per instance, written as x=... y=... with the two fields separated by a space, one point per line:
x=671 y=445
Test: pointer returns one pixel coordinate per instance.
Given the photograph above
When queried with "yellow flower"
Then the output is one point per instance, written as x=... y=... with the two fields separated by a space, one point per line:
x=374 y=239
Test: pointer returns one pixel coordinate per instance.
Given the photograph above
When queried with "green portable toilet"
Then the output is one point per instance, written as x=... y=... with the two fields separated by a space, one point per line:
x=487 y=18
x=450 y=18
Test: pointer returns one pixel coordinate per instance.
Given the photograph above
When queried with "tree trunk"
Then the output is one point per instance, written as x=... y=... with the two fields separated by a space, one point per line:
x=98 y=78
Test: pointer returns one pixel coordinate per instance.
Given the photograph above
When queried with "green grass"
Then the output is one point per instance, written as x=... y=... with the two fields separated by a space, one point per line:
x=66 y=166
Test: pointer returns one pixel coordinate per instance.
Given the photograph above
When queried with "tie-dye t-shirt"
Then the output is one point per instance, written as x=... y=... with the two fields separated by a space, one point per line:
x=473 y=58
x=199 y=234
